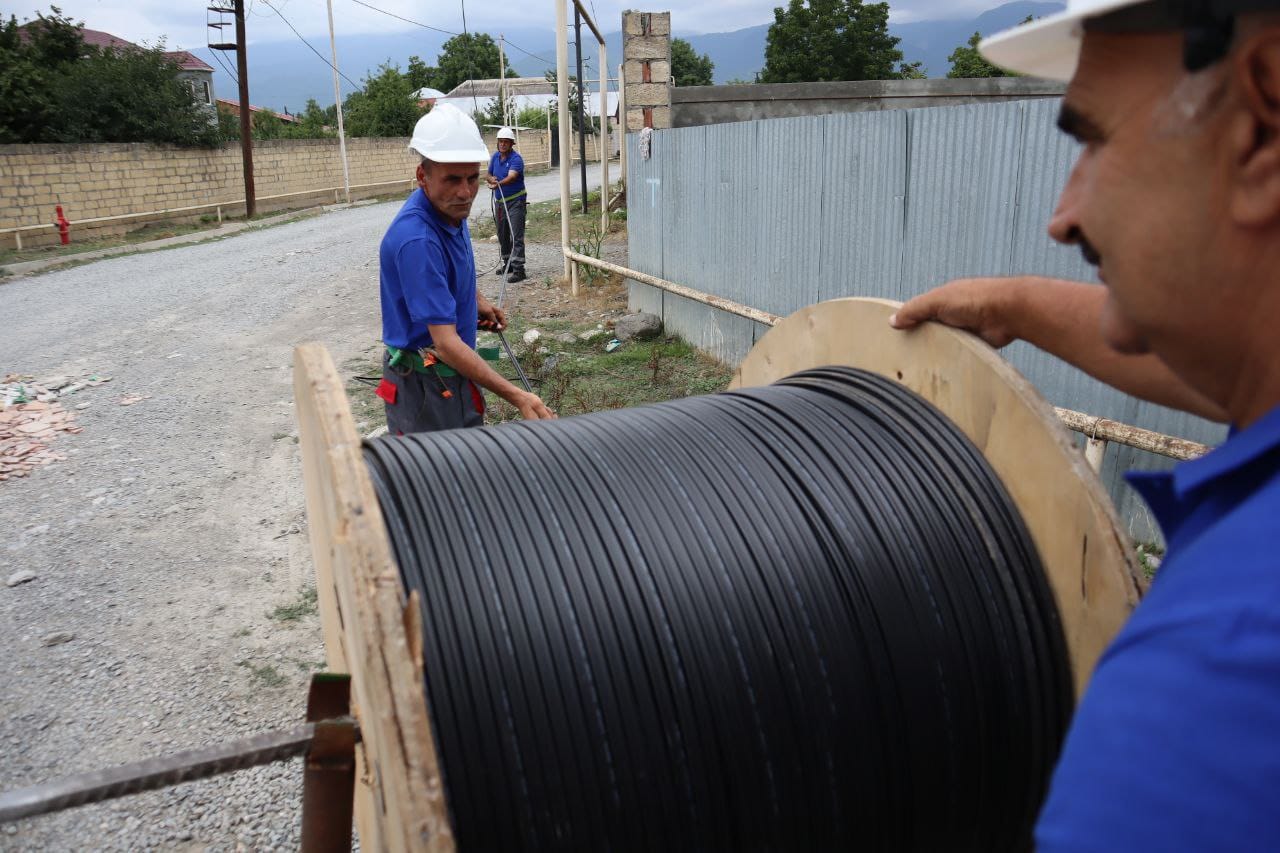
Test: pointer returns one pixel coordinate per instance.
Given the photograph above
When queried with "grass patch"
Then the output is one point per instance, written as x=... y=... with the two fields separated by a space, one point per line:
x=265 y=675
x=1150 y=556
x=304 y=606
x=243 y=632
x=579 y=377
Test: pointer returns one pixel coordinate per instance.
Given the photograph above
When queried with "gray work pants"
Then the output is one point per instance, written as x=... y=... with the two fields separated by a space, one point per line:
x=421 y=405
x=511 y=238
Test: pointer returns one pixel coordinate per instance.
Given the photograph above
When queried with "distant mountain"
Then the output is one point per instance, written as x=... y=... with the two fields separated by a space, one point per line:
x=286 y=74
x=931 y=42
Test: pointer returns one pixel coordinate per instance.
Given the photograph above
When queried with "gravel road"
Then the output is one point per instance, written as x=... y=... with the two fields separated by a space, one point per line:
x=176 y=526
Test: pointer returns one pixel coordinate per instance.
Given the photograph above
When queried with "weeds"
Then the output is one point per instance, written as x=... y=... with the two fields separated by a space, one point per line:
x=304 y=606
x=265 y=675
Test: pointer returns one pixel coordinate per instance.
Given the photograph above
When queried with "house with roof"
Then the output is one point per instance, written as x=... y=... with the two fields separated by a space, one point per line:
x=192 y=70
x=233 y=107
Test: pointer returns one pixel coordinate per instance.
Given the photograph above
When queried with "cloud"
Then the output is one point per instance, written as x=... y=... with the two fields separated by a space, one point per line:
x=184 y=25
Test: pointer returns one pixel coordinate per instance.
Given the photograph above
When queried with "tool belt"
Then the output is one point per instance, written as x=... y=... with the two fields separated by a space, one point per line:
x=414 y=360
x=432 y=362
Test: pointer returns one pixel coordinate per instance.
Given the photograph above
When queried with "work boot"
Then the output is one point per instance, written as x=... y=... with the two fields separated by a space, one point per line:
x=501 y=268
x=516 y=275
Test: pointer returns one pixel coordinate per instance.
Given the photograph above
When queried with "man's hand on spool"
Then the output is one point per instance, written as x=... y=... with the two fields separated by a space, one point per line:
x=978 y=305
x=491 y=181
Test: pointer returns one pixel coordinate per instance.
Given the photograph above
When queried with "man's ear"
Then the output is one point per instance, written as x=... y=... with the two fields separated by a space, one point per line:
x=1255 y=133
x=422 y=176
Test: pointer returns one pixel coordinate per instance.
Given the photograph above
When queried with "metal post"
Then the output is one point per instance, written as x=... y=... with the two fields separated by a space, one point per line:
x=562 y=93
x=502 y=77
x=337 y=102
x=17 y=238
x=622 y=126
x=604 y=141
x=246 y=121
x=582 y=106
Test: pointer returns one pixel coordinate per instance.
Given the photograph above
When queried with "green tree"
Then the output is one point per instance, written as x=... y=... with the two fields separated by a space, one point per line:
x=420 y=75
x=814 y=40
x=228 y=123
x=267 y=125
x=312 y=124
x=966 y=61
x=384 y=107
x=470 y=56
x=535 y=117
x=54 y=88
x=688 y=67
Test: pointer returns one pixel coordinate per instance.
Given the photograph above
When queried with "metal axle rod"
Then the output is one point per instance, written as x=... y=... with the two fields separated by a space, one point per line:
x=99 y=785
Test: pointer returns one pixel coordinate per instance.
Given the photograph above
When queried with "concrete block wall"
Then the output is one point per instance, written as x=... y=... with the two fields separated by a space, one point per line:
x=646 y=69
x=103 y=180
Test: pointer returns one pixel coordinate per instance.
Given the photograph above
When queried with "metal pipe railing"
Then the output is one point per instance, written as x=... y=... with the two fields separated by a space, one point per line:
x=1098 y=431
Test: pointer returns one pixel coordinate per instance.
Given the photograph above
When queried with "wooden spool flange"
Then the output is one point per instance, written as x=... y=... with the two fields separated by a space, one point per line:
x=1091 y=565
x=370 y=630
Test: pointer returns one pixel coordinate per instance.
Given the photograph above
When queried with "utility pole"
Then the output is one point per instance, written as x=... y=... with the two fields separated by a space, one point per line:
x=582 y=100
x=502 y=76
x=246 y=122
x=337 y=100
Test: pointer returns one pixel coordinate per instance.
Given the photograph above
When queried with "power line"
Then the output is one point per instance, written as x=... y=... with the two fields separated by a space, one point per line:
x=308 y=44
x=406 y=20
x=527 y=53
x=225 y=67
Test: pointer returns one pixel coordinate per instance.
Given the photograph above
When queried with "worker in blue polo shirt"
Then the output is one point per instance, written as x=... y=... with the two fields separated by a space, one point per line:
x=510 y=201
x=1175 y=198
x=431 y=376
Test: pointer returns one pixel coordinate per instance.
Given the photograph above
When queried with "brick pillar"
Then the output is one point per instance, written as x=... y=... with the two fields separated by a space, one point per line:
x=646 y=69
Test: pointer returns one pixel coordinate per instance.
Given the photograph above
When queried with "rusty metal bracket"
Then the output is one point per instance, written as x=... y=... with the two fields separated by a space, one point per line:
x=329 y=775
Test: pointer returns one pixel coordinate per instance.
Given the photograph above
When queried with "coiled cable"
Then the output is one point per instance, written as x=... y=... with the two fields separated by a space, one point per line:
x=803 y=617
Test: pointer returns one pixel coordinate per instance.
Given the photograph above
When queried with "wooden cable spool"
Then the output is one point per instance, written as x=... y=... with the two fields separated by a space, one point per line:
x=373 y=632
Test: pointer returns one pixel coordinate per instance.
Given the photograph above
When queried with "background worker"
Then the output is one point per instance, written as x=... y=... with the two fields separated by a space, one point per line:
x=510 y=201
x=1175 y=197
x=430 y=305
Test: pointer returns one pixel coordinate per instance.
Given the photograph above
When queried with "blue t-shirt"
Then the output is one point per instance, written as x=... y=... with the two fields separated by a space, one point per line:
x=428 y=274
x=499 y=168
x=1176 y=743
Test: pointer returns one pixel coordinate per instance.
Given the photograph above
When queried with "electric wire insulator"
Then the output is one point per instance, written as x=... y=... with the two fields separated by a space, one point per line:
x=805 y=616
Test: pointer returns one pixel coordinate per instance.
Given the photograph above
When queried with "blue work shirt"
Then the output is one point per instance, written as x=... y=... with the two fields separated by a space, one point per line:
x=428 y=274
x=1176 y=744
x=500 y=168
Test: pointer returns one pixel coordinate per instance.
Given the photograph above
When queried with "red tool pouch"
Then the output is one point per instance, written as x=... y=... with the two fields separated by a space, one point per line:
x=477 y=397
x=387 y=391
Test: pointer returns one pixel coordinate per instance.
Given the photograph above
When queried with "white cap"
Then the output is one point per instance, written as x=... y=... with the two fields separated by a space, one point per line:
x=507 y=133
x=426 y=93
x=448 y=135
x=1049 y=47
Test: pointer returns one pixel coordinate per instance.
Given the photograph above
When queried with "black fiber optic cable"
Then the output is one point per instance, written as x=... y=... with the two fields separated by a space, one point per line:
x=803 y=617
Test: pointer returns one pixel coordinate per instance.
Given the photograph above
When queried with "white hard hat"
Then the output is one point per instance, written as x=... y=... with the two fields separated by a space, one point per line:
x=448 y=135
x=1050 y=47
x=507 y=133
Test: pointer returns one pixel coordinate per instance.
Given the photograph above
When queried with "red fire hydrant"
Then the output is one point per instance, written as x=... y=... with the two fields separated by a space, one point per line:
x=64 y=227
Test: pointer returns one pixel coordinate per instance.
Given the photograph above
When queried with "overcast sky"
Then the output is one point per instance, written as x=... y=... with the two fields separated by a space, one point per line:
x=182 y=24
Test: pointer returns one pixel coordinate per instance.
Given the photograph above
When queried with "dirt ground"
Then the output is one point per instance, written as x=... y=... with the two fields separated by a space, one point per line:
x=172 y=603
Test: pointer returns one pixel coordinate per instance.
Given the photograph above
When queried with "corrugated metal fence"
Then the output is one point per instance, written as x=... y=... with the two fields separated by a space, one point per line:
x=782 y=213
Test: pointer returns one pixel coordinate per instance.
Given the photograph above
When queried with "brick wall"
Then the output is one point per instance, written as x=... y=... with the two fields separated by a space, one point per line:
x=92 y=181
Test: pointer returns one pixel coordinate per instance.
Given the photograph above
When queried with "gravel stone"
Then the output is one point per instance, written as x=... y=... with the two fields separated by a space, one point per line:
x=180 y=599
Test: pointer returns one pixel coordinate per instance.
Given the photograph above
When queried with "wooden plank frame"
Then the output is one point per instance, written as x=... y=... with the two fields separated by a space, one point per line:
x=1090 y=561
x=370 y=630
